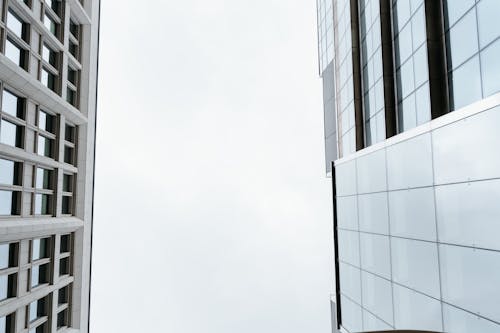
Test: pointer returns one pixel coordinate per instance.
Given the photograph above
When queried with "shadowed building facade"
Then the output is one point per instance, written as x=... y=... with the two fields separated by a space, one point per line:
x=48 y=86
x=412 y=118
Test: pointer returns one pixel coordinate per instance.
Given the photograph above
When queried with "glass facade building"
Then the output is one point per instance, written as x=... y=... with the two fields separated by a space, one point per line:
x=48 y=86
x=412 y=119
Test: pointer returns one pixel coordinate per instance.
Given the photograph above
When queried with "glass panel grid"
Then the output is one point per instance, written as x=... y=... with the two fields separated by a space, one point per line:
x=473 y=45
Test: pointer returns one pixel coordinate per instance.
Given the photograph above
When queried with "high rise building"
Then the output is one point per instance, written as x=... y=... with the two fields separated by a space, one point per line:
x=412 y=133
x=48 y=85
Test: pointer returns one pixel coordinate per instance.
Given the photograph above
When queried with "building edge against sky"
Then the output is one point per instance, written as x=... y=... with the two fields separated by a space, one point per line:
x=412 y=112
x=48 y=82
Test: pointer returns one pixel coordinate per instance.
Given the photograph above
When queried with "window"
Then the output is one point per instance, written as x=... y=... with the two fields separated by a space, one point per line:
x=12 y=120
x=46 y=122
x=10 y=180
x=70 y=144
x=17 y=41
x=73 y=86
x=8 y=286
x=49 y=75
x=4 y=256
x=39 y=275
x=64 y=266
x=65 y=244
x=8 y=255
x=63 y=319
x=7 y=323
x=49 y=79
x=52 y=22
x=371 y=56
x=46 y=138
x=67 y=198
x=74 y=39
x=17 y=26
x=49 y=56
x=412 y=76
x=36 y=310
x=16 y=53
x=40 y=248
x=473 y=39
x=64 y=295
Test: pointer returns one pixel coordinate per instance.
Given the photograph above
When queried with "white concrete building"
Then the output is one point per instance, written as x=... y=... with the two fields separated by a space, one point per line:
x=48 y=88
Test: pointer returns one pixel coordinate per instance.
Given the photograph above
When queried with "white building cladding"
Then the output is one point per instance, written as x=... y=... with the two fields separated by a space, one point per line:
x=48 y=86
x=417 y=191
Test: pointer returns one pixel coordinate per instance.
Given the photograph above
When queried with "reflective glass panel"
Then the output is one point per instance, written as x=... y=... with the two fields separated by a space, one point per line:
x=377 y=296
x=42 y=204
x=43 y=178
x=458 y=321
x=489 y=29
x=35 y=276
x=351 y=315
x=456 y=8
x=33 y=311
x=45 y=146
x=490 y=67
x=349 y=247
x=10 y=104
x=375 y=254
x=4 y=286
x=9 y=134
x=13 y=52
x=415 y=311
x=7 y=172
x=466 y=84
x=373 y=213
x=347 y=212
x=463 y=39
x=412 y=213
x=470 y=279
x=5 y=202
x=409 y=163
x=350 y=282
x=415 y=265
x=4 y=256
x=15 y=24
x=372 y=323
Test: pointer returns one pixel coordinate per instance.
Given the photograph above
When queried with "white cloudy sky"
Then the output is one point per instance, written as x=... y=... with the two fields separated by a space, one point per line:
x=213 y=213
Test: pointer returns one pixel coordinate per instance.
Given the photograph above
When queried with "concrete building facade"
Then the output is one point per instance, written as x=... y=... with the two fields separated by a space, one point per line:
x=48 y=92
x=412 y=119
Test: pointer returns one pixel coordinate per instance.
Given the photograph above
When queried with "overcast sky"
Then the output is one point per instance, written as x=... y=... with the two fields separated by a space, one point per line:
x=212 y=209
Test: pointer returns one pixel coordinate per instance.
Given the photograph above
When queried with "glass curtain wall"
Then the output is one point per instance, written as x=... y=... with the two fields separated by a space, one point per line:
x=473 y=44
x=371 y=63
x=412 y=74
x=344 y=70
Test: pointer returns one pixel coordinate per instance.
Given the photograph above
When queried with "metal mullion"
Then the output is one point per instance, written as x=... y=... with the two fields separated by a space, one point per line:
x=46 y=134
x=12 y=119
x=48 y=67
x=52 y=14
x=71 y=86
x=13 y=188
x=69 y=144
x=73 y=39
x=21 y=43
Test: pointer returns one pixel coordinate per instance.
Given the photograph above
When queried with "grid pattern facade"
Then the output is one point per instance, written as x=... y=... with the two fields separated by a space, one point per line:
x=472 y=34
x=412 y=74
x=471 y=45
x=371 y=63
x=48 y=82
x=417 y=235
x=416 y=194
x=325 y=33
x=344 y=77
